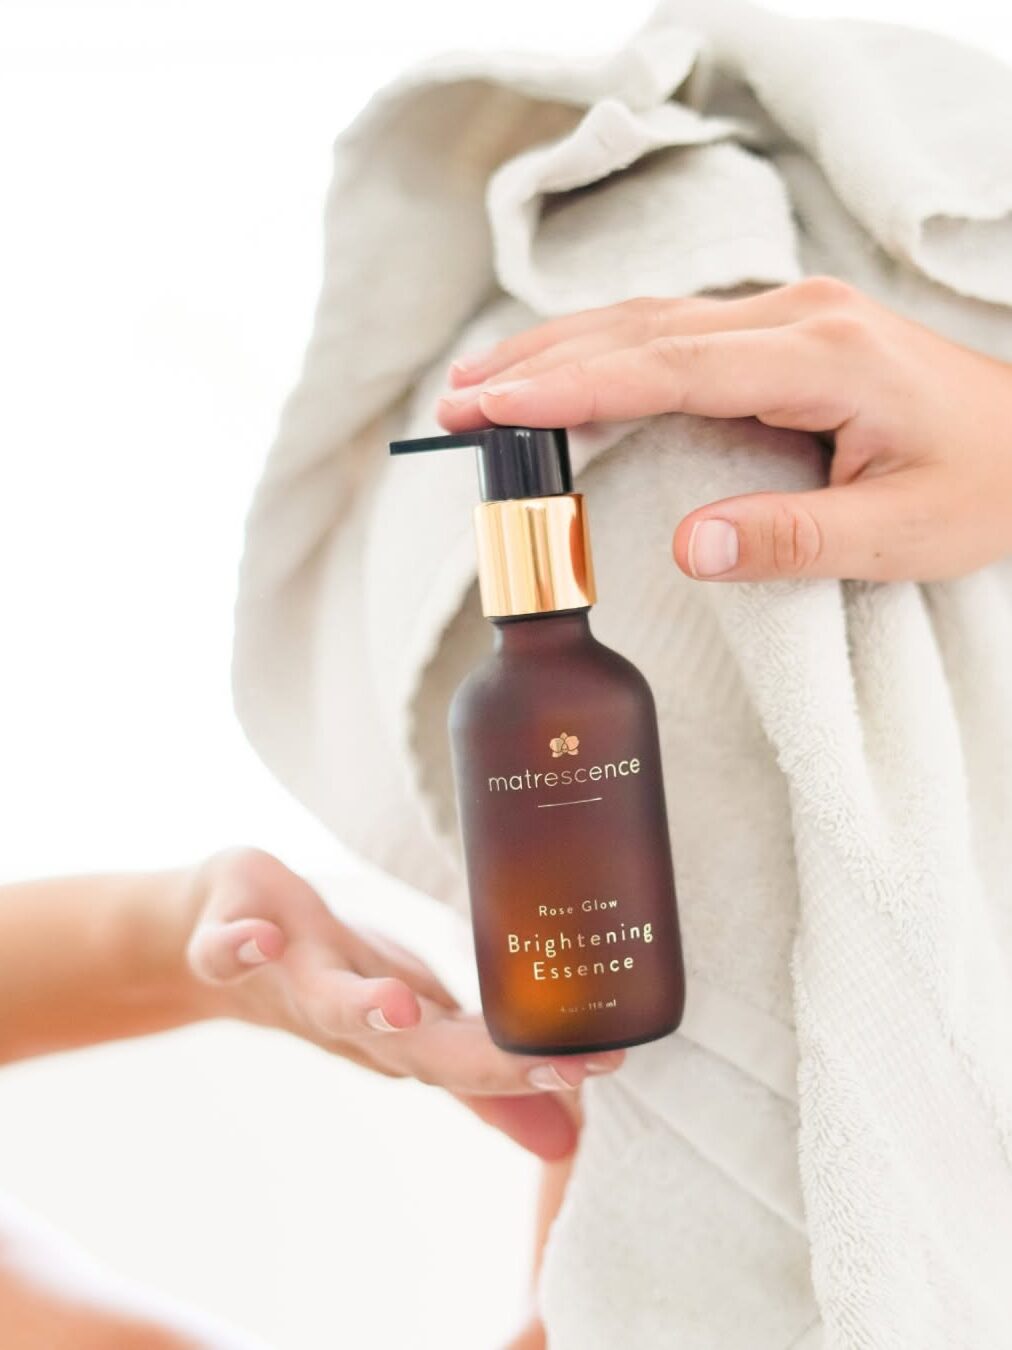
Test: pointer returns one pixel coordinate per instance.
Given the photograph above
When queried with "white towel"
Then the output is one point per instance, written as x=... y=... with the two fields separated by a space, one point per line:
x=821 y=1154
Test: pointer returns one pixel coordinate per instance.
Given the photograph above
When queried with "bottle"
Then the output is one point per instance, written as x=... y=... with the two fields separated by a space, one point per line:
x=557 y=767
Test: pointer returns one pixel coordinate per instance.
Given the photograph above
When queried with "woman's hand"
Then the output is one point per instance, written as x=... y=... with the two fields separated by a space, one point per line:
x=921 y=478
x=277 y=956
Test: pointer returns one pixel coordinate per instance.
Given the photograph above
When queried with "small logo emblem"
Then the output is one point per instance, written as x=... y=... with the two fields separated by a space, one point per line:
x=564 y=745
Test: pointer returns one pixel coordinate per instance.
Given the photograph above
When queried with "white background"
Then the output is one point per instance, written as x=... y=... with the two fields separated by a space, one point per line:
x=163 y=171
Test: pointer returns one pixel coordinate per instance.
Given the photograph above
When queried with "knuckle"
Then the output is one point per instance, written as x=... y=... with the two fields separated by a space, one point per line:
x=837 y=329
x=526 y=363
x=794 y=542
x=672 y=354
x=825 y=292
x=234 y=882
x=582 y=381
x=645 y=318
x=248 y=869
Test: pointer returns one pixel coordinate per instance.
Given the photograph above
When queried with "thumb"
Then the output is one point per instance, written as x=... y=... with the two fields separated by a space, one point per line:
x=873 y=530
x=219 y=952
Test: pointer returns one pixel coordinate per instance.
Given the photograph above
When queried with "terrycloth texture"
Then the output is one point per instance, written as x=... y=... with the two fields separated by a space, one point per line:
x=821 y=1155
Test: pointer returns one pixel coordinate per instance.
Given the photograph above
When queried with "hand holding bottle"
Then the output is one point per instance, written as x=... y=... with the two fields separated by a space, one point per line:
x=921 y=479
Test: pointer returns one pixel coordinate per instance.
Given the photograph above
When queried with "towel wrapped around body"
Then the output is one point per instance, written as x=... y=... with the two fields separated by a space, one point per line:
x=821 y=1155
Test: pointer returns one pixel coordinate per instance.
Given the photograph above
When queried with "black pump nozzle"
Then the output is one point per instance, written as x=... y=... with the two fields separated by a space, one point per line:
x=512 y=461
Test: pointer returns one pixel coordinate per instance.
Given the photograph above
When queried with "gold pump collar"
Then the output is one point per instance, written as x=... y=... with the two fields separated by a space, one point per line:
x=534 y=555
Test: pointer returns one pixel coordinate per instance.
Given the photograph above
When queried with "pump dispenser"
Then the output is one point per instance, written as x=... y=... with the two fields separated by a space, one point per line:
x=557 y=765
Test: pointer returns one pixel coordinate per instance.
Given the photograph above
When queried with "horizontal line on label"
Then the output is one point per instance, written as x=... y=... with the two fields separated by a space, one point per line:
x=579 y=802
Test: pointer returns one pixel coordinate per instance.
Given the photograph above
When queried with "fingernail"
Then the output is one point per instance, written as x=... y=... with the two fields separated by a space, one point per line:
x=377 y=1021
x=713 y=548
x=458 y=398
x=506 y=387
x=250 y=954
x=548 y=1079
x=469 y=361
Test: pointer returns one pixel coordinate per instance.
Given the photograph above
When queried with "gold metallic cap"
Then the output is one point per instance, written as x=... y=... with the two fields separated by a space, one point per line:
x=534 y=555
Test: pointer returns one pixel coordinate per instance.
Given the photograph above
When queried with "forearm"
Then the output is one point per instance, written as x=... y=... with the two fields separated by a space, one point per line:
x=89 y=959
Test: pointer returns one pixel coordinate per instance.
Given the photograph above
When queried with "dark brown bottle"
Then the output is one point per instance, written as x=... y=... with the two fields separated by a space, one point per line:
x=559 y=786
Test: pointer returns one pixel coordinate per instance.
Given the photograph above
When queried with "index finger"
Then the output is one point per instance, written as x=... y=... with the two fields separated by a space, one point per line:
x=791 y=376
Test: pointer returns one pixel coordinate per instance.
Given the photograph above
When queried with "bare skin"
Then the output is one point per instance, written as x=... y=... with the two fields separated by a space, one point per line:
x=241 y=936
x=921 y=480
